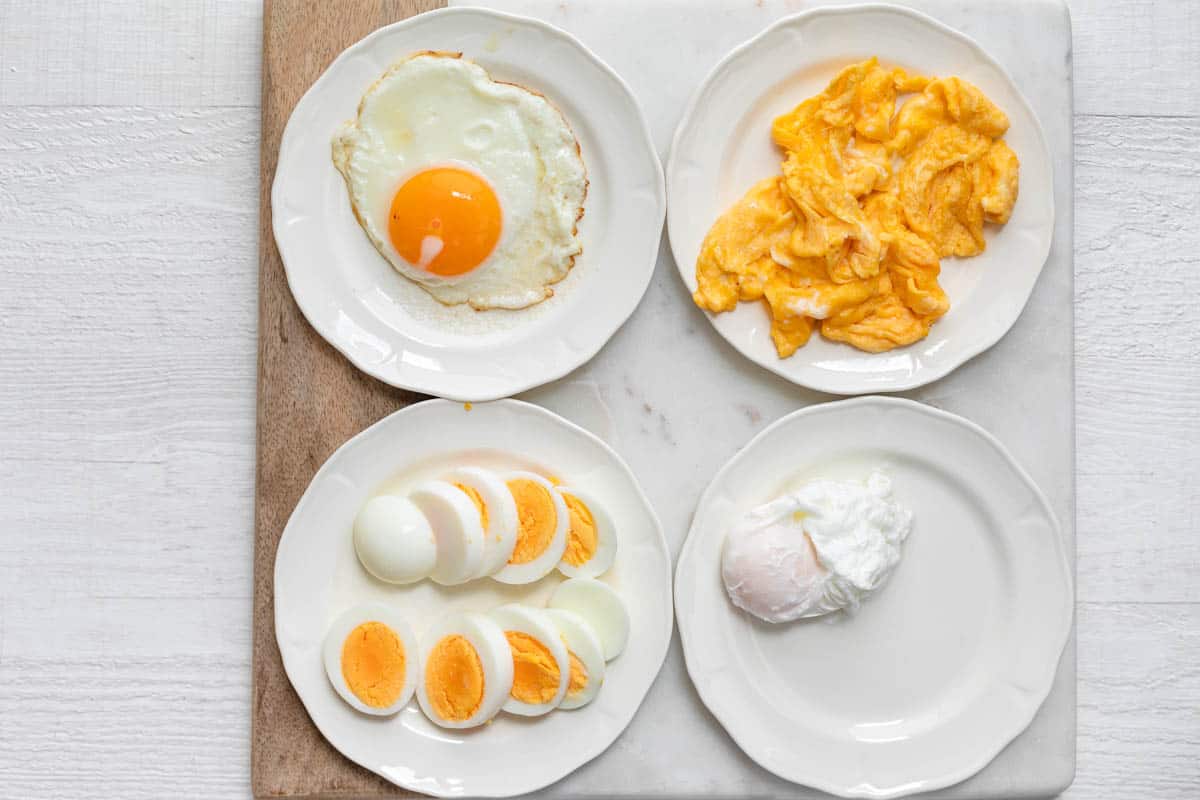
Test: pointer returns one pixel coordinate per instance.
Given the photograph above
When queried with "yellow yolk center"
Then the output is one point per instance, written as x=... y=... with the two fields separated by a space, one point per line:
x=445 y=220
x=454 y=679
x=536 y=520
x=579 y=676
x=373 y=663
x=535 y=672
x=582 y=541
x=479 y=504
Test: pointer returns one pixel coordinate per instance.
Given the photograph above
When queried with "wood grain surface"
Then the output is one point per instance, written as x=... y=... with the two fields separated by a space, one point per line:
x=310 y=401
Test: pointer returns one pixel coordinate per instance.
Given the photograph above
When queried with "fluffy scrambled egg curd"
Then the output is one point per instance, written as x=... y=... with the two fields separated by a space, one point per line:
x=849 y=236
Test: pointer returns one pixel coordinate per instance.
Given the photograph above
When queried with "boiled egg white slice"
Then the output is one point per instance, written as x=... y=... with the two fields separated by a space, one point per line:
x=591 y=536
x=467 y=671
x=497 y=511
x=600 y=606
x=394 y=540
x=542 y=522
x=541 y=666
x=372 y=660
x=586 y=655
x=456 y=525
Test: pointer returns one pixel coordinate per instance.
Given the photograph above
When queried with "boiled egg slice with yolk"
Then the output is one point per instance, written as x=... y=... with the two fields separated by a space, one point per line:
x=458 y=528
x=600 y=606
x=497 y=514
x=467 y=671
x=542 y=522
x=394 y=540
x=591 y=536
x=541 y=664
x=586 y=655
x=371 y=659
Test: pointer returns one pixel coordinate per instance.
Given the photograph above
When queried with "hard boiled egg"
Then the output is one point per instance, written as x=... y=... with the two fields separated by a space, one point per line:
x=542 y=521
x=467 y=671
x=541 y=665
x=497 y=514
x=600 y=606
x=586 y=655
x=371 y=658
x=394 y=540
x=591 y=536
x=458 y=528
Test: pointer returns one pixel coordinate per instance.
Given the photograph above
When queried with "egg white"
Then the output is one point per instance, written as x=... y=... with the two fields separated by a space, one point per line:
x=544 y=563
x=335 y=639
x=495 y=657
x=606 y=539
x=500 y=537
x=600 y=606
x=394 y=540
x=582 y=641
x=437 y=109
x=534 y=622
x=457 y=527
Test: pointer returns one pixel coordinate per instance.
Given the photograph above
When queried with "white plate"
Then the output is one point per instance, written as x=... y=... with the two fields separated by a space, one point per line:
x=723 y=146
x=391 y=328
x=943 y=666
x=317 y=577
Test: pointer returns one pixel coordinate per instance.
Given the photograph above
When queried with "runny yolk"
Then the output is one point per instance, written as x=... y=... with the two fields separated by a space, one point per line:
x=535 y=672
x=454 y=678
x=479 y=504
x=582 y=537
x=579 y=675
x=373 y=662
x=536 y=519
x=445 y=220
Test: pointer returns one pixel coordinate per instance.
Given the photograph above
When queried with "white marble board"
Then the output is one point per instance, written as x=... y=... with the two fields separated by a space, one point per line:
x=676 y=401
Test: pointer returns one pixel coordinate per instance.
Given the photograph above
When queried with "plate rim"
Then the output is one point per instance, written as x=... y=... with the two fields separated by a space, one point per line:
x=659 y=542
x=504 y=387
x=1064 y=562
x=848 y=387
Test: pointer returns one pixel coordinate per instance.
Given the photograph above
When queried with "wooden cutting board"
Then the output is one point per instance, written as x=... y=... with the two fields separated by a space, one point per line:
x=310 y=401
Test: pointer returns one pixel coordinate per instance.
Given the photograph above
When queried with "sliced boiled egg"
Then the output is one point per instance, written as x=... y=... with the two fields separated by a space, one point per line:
x=541 y=665
x=600 y=606
x=394 y=540
x=372 y=660
x=542 y=522
x=591 y=536
x=456 y=526
x=497 y=514
x=585 y=653
x=467 y=671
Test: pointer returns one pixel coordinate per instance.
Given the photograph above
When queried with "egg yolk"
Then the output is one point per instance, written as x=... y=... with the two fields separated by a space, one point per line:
x=536 y=520
x=445 y=220
x=579 y=676
x=373 y=663
x=535 y=672
x=454 y=679
x=582 y=541
x=479 y=504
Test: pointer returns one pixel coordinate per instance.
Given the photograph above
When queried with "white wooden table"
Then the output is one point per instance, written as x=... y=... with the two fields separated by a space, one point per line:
x=128 y=260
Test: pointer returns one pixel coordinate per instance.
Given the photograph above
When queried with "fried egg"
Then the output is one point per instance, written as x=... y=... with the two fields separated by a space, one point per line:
x=458 y=528
x=600 y=606
x=586 y=655
x=591 y=536
x=371 y=659
x=497 y=514
x=542 y=526
x=470 y=187
x=541 y=665
x=847 y=239
x=394 y=540
x=467 y=671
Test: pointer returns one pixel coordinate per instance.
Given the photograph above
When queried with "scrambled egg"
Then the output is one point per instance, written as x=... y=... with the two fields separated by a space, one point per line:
x=849 y=236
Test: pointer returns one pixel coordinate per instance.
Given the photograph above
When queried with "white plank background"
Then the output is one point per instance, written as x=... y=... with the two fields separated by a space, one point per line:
x=128 y=259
